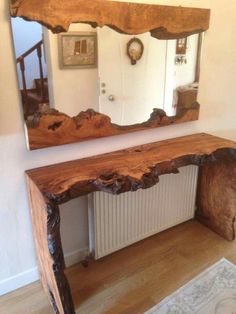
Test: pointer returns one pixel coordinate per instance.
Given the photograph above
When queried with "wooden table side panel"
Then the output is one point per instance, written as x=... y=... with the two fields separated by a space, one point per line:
x=121 y=171
x=46 y=228
x=216 y=199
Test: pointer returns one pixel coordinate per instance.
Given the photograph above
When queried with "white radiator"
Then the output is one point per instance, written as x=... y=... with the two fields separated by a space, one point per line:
x=118 y=221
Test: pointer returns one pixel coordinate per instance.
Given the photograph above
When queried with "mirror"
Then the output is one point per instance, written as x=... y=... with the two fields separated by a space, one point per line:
x=108 y=75
x=31 y=66
x=164 y=77
x=160 y=79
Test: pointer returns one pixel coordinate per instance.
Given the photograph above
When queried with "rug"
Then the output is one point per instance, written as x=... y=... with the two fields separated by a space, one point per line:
x=211 y=292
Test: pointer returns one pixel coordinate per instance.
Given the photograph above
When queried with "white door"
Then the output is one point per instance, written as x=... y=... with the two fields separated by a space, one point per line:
x=129 y=93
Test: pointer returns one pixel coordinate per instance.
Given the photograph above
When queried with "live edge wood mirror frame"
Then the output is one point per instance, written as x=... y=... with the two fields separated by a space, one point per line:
x=51 y=127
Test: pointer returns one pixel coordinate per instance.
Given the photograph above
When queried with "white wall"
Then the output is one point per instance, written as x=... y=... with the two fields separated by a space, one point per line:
x=71 y=90
x=179 y=75
x=32 y=35
x=218 y=115
x=137 y=88
x=185 y=74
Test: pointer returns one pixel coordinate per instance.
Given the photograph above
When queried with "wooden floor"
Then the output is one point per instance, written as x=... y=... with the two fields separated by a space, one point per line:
x=134 y=279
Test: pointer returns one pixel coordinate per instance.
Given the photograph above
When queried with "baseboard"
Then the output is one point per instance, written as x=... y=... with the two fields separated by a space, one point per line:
x=25 y=278
x=75 y=257
x=18 y=281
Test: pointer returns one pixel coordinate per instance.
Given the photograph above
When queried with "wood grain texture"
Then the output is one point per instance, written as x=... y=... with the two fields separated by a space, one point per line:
x=133 y=280
x=219 y=182
x=122 y=171
x=163 y=22
x=52 y=128
x=129 y=169
x=126 y=281
x=46 y=227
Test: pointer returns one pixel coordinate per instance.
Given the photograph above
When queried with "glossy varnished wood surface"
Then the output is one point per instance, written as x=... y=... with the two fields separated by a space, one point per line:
x=27 y=300
x=132 y=280
x=129 y=18
x=46 y=228
x=164 y=22
x=118 y=172
x=216 y=201
x=53 y=128
x=130 y=169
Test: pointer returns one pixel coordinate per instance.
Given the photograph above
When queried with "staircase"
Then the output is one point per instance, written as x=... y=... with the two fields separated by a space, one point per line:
x=33 y=99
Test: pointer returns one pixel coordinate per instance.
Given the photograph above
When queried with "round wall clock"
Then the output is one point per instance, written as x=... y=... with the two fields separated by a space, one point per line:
x=135 y=50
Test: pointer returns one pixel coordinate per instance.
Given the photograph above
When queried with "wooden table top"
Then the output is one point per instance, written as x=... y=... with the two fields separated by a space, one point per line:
x=128 y=169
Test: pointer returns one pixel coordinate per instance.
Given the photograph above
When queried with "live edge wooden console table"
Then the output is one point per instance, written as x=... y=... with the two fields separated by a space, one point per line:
x=122 y=171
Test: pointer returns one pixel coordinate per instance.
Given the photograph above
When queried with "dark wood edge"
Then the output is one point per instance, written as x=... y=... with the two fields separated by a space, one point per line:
x=46 y=226
x=164 y=22
x=210 y=152
x=56 y=251
x=53 y=128
x=115 y=184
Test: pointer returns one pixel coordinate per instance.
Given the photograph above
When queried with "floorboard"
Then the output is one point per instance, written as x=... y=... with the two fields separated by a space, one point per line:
x=133 y=279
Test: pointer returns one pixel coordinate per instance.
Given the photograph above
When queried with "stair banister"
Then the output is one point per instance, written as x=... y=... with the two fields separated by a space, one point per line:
x=21 y=60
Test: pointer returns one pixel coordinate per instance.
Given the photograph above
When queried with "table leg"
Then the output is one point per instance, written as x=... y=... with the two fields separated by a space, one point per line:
x=216 y=198
x=46 y=228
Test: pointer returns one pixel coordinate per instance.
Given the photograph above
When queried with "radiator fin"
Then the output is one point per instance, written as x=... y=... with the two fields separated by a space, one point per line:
x=130 y=217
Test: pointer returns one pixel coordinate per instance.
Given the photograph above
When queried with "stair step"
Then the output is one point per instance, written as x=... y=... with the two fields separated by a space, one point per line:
x=34 y=102
x=34 y=97
x=38 y=85
x=33 y=94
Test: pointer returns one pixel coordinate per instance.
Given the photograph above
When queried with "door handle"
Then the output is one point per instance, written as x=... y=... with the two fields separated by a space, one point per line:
x=111 y=98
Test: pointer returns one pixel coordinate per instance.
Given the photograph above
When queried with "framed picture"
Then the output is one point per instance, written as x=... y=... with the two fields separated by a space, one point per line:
x=77 y=50
x=181 y=46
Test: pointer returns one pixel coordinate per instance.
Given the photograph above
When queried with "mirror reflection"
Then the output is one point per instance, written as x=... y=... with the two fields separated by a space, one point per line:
x=122 y=76
x=31 y=65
